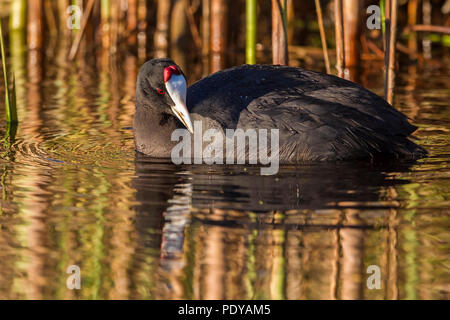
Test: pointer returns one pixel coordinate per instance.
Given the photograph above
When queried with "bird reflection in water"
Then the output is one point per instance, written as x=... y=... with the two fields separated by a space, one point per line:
x=236 y=234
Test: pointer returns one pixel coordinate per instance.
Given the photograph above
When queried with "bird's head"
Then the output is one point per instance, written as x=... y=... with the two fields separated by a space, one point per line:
x=161 y=85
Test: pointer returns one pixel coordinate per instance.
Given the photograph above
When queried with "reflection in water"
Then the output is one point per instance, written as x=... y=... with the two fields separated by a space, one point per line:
x=74 y=192
x=352 y=243
x=216 y=241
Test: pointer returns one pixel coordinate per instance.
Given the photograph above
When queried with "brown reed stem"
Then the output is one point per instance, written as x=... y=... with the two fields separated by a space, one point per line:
x=193 y=26
x=322 y=36
x=339 y=30
x=161 y=37
x=429 y=28
x=179 y=34
x=206 y=15
x=352 y=43
x=132 y=22
x=76 y=43
x=35 y=24
x=387 y=34
x=218 y=40
x=279 y=35
x=392 y=45
x=412 y=20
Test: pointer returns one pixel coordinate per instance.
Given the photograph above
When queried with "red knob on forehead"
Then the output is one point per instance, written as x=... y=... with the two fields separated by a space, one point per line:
x=168 y=71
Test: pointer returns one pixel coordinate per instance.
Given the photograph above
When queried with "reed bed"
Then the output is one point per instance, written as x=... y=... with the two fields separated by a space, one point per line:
x=210 y=32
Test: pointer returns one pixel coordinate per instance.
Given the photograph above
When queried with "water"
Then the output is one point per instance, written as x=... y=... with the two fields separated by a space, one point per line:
x=74 y=193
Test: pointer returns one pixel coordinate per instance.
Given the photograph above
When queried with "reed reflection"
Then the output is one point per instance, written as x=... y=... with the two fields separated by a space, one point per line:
x=226 y=232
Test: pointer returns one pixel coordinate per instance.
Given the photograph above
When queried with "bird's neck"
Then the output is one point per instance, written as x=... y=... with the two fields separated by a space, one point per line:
x=153 y=130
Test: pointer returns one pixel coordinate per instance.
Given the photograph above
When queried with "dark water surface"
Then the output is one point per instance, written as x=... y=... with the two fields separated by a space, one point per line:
x=74 y=193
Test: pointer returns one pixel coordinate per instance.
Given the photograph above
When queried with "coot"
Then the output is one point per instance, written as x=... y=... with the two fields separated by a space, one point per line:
x=320 y=117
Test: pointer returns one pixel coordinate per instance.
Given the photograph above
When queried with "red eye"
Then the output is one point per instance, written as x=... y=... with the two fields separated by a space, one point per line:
x=160 y=91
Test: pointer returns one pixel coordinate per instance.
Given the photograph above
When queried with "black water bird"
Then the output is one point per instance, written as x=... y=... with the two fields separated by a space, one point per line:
x=320 y=117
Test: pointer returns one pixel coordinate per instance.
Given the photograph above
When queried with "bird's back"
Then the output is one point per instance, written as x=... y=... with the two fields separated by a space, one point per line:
x=320 y=116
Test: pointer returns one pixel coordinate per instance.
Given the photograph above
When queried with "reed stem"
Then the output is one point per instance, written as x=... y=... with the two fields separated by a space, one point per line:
x=10 y=96
x=161 y=37
x=206 y=36
x=322 y=36
x=18 y=18
x=279 y=33
x=412 y=21
x=339 y=30
x=193 y=26
x=352 y=34
x=179 y=33
x=392 y=46
x=132 y=20
x=250 y=48
x=105 y=13
x=35 y=30
x=383 y=17
x=218 y=34
x=76 y=43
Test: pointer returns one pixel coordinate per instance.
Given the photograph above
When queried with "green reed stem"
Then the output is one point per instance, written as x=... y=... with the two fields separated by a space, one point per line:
x=10 y=96
x=105 y=9
x=250 y=48
x=18 y=17
x=285 y=19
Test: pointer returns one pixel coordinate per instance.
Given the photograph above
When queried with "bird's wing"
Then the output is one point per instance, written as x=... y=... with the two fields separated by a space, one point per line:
x=318 y=115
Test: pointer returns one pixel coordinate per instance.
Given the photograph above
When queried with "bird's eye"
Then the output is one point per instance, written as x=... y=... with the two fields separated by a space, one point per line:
x=160 y=91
